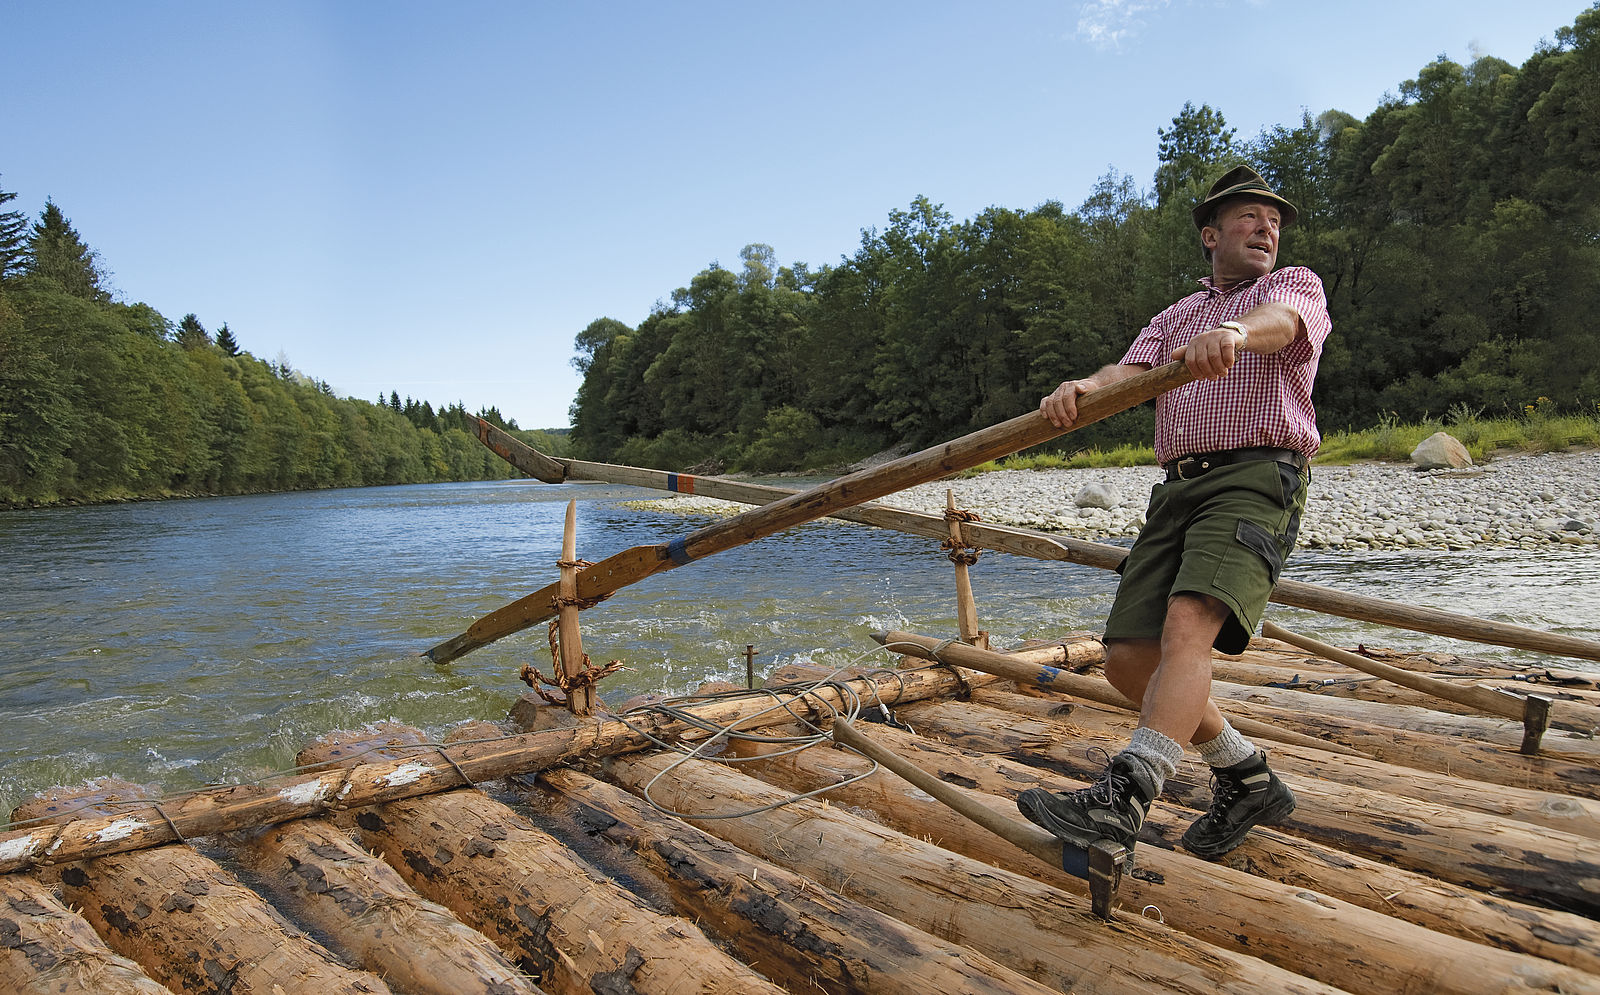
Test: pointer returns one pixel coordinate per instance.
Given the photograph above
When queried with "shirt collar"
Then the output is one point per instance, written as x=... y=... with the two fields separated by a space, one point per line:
x=1205 y=281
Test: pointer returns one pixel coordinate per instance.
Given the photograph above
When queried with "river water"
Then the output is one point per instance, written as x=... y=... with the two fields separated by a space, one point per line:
x=200 y=641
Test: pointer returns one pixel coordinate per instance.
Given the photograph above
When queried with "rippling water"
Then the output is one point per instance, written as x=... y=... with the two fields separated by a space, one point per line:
x=188 y=642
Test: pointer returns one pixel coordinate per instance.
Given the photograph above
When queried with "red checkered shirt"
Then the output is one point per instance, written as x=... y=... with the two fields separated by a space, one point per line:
x=1264 y=400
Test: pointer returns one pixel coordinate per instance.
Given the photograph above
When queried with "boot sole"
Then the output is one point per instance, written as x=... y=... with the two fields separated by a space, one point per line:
x=1227 y=844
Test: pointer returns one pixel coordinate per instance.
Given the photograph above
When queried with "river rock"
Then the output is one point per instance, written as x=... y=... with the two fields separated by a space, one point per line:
x=1097 y=495
x=1439 y=451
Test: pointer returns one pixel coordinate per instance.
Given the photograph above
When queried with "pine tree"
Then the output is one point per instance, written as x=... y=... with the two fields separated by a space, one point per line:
x=226 y=342
x=192 y=334
x=55 y=251
x=13 y=239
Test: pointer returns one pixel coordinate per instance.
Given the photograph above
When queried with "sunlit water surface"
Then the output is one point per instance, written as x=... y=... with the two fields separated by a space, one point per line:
x=199 y=641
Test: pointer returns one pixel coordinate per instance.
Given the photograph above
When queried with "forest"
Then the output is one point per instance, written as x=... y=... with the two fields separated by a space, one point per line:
x=102 y=400
x=1456 y=229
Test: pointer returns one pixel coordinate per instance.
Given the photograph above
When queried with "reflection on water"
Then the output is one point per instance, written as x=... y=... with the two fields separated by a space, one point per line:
x=186 y=642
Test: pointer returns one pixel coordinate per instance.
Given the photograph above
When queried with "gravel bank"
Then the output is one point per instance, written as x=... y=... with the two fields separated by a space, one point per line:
x=1521 y=500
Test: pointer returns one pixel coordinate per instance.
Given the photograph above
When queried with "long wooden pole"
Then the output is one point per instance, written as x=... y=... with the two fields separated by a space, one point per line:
x=633 y=565
x=1038 y=545
x=1574 y=715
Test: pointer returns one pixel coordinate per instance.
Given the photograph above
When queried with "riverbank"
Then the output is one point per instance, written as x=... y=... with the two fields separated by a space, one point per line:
x=1519 y=500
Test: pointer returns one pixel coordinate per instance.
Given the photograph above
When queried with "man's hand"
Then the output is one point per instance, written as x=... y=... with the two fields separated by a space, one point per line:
x=1061 y=406
x=1211 y=354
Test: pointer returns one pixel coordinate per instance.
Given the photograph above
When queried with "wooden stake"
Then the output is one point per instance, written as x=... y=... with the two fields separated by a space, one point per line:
x=966 y=607
x=580 y=700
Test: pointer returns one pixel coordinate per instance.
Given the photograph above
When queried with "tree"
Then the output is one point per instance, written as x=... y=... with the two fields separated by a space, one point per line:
x=56 y=252
x=226 y=342
x=1198 y=140
x=192 y=334
x=13 y=239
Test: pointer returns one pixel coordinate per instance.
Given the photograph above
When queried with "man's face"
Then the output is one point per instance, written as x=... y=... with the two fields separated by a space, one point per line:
x=1244 y=243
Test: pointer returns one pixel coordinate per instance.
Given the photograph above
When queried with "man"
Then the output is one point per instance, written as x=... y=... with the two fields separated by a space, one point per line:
x=1235 y=445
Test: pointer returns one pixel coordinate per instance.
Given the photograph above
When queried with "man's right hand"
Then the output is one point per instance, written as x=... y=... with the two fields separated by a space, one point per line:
x=1061 y=406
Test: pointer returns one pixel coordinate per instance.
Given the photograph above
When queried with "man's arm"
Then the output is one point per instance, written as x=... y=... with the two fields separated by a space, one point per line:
x=1061 y=407
x=1267 y=328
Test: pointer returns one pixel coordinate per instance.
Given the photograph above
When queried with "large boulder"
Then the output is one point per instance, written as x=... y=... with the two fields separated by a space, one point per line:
x=1097 y=495
x=1440 y=451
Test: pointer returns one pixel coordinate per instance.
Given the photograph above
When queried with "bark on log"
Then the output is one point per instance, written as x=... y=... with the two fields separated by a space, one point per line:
x=1479 y=728
x=373 y=917
x=188 y=922
x=1040 y=931
x=800 y=935
x=562 y=922
x=235 y=807
x=1557 y=810
x=1468 y=848
x=47 y=949
x=1288 y=925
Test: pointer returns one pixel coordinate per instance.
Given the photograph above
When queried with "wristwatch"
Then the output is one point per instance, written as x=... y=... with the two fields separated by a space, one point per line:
x=1244 y=333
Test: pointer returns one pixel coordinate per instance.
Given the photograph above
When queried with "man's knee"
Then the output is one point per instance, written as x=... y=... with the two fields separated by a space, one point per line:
x=1129 y=664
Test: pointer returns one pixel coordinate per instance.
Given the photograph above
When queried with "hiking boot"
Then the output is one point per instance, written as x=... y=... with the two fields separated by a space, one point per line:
x=1242 y=796
x=1112 y=808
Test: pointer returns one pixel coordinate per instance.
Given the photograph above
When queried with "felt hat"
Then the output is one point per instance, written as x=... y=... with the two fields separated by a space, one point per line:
x=1238 y=181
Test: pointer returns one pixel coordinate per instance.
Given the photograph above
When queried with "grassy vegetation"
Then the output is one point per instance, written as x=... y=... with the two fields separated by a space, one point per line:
x=1539 y=430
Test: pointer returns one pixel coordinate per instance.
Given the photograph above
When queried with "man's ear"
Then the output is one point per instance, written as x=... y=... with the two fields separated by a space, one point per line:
x=1209 y=237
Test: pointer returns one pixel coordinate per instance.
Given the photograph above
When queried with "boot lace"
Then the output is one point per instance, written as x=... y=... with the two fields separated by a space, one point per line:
x=1225 y=791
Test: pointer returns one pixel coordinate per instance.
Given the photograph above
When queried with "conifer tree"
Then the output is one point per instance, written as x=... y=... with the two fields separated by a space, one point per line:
x=13 y=239
x=56 y=251
x=192 y=334
x=226 y=342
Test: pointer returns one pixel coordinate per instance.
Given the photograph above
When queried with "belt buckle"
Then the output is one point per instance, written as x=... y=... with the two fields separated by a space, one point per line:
x=1188 y=464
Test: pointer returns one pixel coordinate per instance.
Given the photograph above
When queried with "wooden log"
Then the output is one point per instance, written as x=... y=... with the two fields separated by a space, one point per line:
x=190 y=924
x=560 y=920
x=1042 y=932
x=1465 y=847
x=1288 y=925
x=1571 y=715
x=1050 y=678
x=1553 y=808
x=1026 y=542
x=1478 y=728
x=634 y=565
x=47 y=949
x=802 y=936
x=235 y=807
x=368 y=914
x=1439 y=753
x=1202 y=901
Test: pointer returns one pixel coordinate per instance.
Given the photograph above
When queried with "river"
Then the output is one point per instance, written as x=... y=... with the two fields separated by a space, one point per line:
x=208 y=640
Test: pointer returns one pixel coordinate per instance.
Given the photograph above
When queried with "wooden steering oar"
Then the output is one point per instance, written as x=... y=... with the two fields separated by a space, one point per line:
x=635 y=564
x=1024 y=542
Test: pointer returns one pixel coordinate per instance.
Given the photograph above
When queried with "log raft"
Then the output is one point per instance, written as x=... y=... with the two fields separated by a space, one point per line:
x=1437 y=859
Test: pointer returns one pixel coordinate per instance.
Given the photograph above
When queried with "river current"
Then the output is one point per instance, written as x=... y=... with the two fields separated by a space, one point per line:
x=199 y=641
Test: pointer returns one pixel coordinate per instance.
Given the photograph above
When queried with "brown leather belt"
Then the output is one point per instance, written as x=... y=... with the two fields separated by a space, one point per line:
x=1190 y=467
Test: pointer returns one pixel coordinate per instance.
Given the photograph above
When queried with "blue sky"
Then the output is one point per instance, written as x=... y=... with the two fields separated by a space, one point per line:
x=435 y=198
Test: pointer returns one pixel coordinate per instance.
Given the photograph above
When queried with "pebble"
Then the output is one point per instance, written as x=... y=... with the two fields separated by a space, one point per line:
x=1520 y=500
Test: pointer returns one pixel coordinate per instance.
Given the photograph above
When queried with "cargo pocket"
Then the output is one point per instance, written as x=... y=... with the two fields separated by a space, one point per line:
x=1263 y=543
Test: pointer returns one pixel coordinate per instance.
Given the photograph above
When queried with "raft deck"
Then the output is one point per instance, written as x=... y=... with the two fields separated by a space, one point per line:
x=1427 y=853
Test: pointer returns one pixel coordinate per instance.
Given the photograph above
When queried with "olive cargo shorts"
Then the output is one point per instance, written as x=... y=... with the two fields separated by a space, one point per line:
x=1225 y=533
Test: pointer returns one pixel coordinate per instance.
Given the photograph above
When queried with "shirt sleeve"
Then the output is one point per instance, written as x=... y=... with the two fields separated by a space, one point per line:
x=1301 y=289
x=1150 y=346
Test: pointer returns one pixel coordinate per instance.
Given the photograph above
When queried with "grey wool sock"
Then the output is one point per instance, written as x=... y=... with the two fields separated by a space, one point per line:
x=1227 y=749
x=1157 y=751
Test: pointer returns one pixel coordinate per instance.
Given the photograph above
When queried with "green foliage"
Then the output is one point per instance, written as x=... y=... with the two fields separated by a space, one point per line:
x=13 y=239
x=1454 y=229
x=57 y=253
